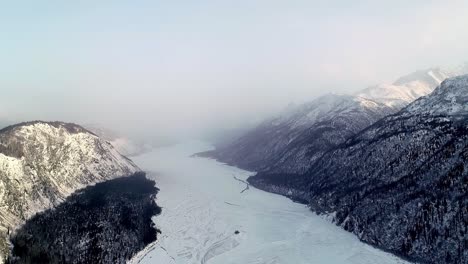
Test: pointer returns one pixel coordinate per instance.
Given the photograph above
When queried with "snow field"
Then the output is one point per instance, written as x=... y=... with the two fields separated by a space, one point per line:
x=203 y=207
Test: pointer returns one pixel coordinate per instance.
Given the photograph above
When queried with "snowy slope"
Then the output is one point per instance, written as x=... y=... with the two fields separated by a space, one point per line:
x=42 y=163
x=401 y=184
x=451 y=98
x=288 y=145
x=290 y=142
x=204 y=202
x=406 y=89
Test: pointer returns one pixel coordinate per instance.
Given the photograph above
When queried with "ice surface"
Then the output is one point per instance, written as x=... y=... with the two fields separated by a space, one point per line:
x=203 y=207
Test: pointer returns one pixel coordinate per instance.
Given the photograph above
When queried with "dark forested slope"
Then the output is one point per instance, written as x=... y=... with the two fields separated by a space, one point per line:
x=402 y=184
x=41 y=163
x=287 y=146
x=105 y=223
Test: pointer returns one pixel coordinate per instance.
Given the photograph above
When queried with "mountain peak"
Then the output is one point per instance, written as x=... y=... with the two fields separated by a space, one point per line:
x=450 y=98
x=60 y=156
x=39 y=124
x=431 y=76
x=455 y=86
x=407 y=88
x=328 y=106
x=401 y=178
x=44 y=162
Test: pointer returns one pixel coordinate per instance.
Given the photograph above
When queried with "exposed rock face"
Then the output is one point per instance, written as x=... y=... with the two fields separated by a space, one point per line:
x=402 y=184
x=42 y=163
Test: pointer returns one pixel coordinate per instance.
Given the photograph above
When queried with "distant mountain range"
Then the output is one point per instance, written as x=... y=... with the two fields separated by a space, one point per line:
x=292 y=141
x=41 y=163
x=407 y=88
x=388 y=169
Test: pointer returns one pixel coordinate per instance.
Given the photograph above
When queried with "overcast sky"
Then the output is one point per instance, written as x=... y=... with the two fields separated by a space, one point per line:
x=169 y=67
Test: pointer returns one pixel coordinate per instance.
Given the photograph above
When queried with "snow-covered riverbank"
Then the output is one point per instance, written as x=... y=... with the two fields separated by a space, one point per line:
x=205 y=202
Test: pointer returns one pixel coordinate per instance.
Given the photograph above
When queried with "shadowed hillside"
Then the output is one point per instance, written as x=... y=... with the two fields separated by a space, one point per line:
x=105 y=223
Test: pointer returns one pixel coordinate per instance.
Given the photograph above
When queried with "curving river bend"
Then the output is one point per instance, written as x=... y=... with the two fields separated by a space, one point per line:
x=205 y=202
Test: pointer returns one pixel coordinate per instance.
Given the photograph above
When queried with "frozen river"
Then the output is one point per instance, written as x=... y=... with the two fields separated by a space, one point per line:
x=205 y=202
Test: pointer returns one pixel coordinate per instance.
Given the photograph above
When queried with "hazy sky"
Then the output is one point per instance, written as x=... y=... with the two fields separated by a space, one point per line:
x=172 y=66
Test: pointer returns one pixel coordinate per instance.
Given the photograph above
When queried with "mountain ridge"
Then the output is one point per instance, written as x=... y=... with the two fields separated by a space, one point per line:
x=407 y=88
x=373 y=181
x=41 y=163
x=401 y=184
x=283 y=143
x=297 y=137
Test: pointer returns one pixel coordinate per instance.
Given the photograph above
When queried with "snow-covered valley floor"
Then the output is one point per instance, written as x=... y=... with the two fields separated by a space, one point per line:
x=204 y=202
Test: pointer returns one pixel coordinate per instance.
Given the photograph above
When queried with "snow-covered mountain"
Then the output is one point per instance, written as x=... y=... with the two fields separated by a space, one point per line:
x=402 y=183
x=41 y=163
x=451 y=98
x=299 y=136
x=292 y=141
x=406 y=89
x=395 y=178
